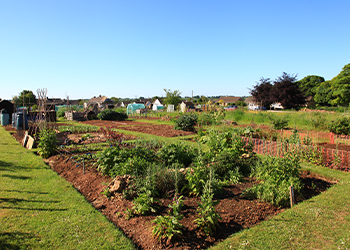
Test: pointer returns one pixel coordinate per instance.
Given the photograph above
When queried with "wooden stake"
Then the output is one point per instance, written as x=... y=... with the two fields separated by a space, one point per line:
x=291 y=193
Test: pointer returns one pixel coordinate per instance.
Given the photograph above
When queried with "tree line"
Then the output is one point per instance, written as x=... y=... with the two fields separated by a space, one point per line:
x=291 y=93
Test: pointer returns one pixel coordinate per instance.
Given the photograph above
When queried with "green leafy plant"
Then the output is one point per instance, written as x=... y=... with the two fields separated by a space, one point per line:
x=144 y=203
x=168 y=227
x=196 y=177
x=276 y=175
x=340 y=126
x=78 y=129
x=48 y=143
x=172 y=153
x=279 y=122
x=235 y=176
x=186 y=122
x=106 y=192
x=207 y=217
x=87 y=137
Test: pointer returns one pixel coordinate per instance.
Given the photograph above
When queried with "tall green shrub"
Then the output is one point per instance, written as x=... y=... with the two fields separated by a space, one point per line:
x=276 y=176
x=340 y=126
x=186 y=122
x=112 y=115
x=47 y=143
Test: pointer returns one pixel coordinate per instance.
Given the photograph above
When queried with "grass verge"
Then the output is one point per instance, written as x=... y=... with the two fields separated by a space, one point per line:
x=40 y=210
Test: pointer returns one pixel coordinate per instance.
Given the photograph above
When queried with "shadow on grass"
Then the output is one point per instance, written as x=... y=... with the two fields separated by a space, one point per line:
x=5 y=166
x=21 y=191
x=16 y=177
x=35 y=209
x=16 y=240
x=15 y=200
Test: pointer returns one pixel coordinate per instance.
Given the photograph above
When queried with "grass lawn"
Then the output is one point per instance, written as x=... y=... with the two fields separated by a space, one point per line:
x=40 y=210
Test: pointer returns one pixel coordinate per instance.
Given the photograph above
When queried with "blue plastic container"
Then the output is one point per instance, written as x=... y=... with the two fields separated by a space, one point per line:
x=20 y=119
x=5 y=118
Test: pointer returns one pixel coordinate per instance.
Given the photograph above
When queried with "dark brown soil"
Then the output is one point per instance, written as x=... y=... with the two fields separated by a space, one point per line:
x=342 y=147
x=153 y=129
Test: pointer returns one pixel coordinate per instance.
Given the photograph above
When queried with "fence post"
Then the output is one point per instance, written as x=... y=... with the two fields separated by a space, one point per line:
x=291 y=194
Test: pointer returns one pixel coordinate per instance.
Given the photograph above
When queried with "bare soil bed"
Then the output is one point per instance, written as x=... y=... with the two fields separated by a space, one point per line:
x=152 y=129
x=334 y=146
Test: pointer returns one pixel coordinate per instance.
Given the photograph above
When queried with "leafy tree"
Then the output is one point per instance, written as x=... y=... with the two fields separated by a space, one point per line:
x=115 y=100
x=172 y=97
x=27 y=97
x=262 y=92
x=323 y=94
x=340 y=86
x=287 y=92
x=309 y=84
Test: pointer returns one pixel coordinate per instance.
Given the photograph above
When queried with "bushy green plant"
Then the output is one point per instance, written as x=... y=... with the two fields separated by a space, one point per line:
x=312 y=154
x=112 y=115
x=318 y=120
x=144 y=203
x=235 y=176
x=47 y=143
x=276 y=176
x=169 y=226
x=114 y=161
x=340 y=126
x=186 y=122
x=106 y=159
x=279 y=122
x=166 y=180
x=207 y=218
x=196 y=179
x=172 y=153
x=227 y=151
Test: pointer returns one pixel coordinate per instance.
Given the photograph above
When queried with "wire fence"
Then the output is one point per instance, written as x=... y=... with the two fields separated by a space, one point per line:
x=334 y=158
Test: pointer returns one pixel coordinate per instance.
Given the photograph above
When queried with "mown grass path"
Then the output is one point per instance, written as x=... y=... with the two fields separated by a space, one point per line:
x=40 y=210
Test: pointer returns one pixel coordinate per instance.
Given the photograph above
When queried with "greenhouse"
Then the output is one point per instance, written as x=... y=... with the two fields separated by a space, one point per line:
x=131 y=109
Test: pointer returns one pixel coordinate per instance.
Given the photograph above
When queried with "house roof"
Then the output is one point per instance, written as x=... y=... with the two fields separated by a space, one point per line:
x=230 y=99
x=54 y=101
x=188 y=103
x=100 y=99
x=250 y=99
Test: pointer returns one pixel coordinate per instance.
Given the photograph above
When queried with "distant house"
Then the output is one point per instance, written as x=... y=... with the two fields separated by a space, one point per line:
x=124 y=104
x=250 y=100
x=157 y=105
x=184 y=106
x=101 y=101
x=276 y=105
x=227 y=100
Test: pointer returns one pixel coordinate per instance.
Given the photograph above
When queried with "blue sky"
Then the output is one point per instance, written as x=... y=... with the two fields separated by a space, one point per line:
x=137 y=48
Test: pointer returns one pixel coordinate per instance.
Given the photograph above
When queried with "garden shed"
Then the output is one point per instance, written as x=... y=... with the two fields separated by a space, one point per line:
x=9 y=107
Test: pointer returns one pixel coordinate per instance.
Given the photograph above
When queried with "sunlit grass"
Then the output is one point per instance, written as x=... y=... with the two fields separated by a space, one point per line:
x=40 y=210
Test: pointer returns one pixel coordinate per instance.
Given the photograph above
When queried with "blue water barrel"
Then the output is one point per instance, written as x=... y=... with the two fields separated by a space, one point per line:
x=5 y=117
x=20 y=119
